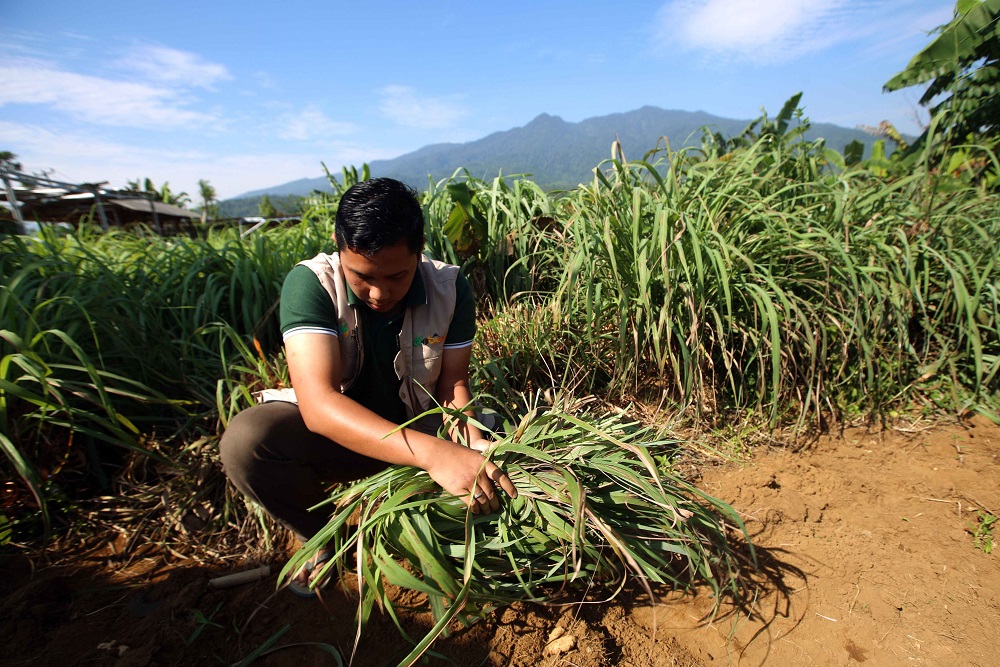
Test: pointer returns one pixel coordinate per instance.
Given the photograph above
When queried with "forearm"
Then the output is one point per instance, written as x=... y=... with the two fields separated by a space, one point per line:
x=459 y=397
x=352 y=425
x=462 y=471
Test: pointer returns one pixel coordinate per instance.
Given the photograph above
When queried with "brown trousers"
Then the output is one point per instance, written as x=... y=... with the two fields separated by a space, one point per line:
x=269 y=455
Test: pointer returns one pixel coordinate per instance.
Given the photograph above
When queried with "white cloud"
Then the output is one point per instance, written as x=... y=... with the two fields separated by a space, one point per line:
x=71 y=34
x=94 y=99
x=182 y=68
x=265 y=80
x=754 y=30
x=78 y=157
x=402 y=105
x=88 y=158
x=312 y=124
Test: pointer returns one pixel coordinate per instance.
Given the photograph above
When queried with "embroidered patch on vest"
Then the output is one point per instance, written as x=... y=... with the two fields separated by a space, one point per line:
x=428 y=340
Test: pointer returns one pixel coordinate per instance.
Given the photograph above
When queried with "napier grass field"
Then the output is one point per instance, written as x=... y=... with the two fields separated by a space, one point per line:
x=677 y=308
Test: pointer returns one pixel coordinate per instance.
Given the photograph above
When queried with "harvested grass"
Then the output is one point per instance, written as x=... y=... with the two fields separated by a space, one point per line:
x=597 y=505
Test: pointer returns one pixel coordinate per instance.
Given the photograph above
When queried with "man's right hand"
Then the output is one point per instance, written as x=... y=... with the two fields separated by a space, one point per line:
x=466 y=473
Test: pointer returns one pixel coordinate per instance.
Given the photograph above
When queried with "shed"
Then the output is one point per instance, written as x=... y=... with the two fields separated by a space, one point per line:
x=37 y=198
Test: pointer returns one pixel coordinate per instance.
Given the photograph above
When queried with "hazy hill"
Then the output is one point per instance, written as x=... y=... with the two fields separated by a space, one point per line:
x=558 y=154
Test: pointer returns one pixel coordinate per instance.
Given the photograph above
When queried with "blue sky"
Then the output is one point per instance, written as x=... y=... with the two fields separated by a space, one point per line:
x=253 y=94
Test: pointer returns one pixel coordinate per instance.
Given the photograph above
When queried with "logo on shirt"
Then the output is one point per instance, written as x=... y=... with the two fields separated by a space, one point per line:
x=428 y=340
x=343 y=328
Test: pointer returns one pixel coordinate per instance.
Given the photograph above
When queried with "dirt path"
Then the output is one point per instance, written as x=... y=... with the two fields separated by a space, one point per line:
x=868 y=538
x=863 y=540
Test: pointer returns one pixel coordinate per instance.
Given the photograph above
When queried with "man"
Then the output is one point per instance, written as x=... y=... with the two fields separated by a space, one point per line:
x=373 y=335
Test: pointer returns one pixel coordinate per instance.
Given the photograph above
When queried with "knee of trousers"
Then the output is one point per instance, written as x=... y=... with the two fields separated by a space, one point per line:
x=242 y=445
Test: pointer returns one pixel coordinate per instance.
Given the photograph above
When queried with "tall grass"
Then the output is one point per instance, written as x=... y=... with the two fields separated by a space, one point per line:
x=108 y=339
x=735 y=283
x=764 y=278
x=504 y=232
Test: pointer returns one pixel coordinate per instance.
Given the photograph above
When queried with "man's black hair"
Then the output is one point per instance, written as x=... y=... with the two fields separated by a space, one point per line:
x=379 y=213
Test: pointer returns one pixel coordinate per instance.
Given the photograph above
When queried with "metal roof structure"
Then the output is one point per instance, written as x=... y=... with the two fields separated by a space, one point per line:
x=39 y=198
x=151 y=206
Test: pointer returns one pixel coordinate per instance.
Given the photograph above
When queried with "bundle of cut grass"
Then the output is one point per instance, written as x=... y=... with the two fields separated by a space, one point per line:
x=596 y=505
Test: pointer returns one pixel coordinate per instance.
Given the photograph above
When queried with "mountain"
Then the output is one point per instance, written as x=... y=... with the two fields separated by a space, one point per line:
x=557 y=154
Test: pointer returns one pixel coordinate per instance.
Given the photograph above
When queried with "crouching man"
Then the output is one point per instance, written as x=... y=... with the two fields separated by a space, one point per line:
x=373 y=334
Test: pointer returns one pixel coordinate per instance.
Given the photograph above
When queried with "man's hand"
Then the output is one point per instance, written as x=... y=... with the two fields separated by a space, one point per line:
x=467 y=474
x=481 y=445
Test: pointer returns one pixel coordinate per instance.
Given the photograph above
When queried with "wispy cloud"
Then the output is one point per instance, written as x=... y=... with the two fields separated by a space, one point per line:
x=96 y=99
x=312 y=124
x=402 y=105
x=84 y=157
x=761 y=31
x=898 y=27
x=170 y=66
x=265 y=80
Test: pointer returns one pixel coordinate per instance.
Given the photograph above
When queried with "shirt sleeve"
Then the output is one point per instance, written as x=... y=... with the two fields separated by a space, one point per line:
x=463 y=322
x=305 y=306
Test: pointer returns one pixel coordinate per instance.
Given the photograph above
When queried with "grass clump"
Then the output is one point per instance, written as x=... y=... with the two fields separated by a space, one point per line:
x=982 y=532
x=593 y=511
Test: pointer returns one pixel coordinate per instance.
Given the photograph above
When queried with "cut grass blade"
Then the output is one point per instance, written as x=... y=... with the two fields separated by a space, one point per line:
x=593 y=508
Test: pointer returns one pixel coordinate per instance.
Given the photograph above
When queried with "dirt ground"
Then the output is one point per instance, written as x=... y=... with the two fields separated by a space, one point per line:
x=866 y=557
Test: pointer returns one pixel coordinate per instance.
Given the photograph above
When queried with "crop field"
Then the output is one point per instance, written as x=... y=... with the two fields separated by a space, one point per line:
x=629 y=329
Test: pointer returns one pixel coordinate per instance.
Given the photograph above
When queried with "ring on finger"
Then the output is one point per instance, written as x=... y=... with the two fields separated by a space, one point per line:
x=478 y=495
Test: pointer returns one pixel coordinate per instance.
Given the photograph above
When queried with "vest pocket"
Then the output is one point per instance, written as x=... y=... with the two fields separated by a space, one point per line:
x=426 y=370
x=427 y=364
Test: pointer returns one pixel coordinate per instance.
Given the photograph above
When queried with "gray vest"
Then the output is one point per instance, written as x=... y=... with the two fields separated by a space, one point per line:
x=421 y=340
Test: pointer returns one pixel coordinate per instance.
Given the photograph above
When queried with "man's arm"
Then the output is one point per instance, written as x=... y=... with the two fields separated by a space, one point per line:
x=314 y=366
x=453 y=392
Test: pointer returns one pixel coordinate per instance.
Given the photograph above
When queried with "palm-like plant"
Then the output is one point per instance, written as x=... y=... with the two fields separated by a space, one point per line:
x=209 y=207
x=962 y=64
x=163 y=193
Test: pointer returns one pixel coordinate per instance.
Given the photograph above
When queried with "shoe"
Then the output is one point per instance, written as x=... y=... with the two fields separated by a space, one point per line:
x=303 y=588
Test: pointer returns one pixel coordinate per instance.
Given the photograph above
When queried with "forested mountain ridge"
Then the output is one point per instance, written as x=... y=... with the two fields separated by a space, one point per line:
x=556 y=153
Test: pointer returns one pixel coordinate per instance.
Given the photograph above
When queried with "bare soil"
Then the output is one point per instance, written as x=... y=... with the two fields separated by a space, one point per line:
x=864 y=542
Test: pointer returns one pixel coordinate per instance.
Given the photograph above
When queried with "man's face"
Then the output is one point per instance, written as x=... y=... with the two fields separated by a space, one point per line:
x=382 y=280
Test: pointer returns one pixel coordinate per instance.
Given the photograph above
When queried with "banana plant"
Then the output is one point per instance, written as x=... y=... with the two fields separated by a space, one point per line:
x=962 y=64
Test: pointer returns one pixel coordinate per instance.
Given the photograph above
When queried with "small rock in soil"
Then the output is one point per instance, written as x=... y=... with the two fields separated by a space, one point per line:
x=561 y=645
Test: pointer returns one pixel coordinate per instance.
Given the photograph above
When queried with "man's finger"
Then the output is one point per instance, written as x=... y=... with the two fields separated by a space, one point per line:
x=470 y=499
x=481 y=502
x=491 y=503
x=490 y=496
x=501 y=479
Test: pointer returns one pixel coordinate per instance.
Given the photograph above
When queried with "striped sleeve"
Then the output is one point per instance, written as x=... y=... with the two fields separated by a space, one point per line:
x=305 y=306
x=463 y=322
